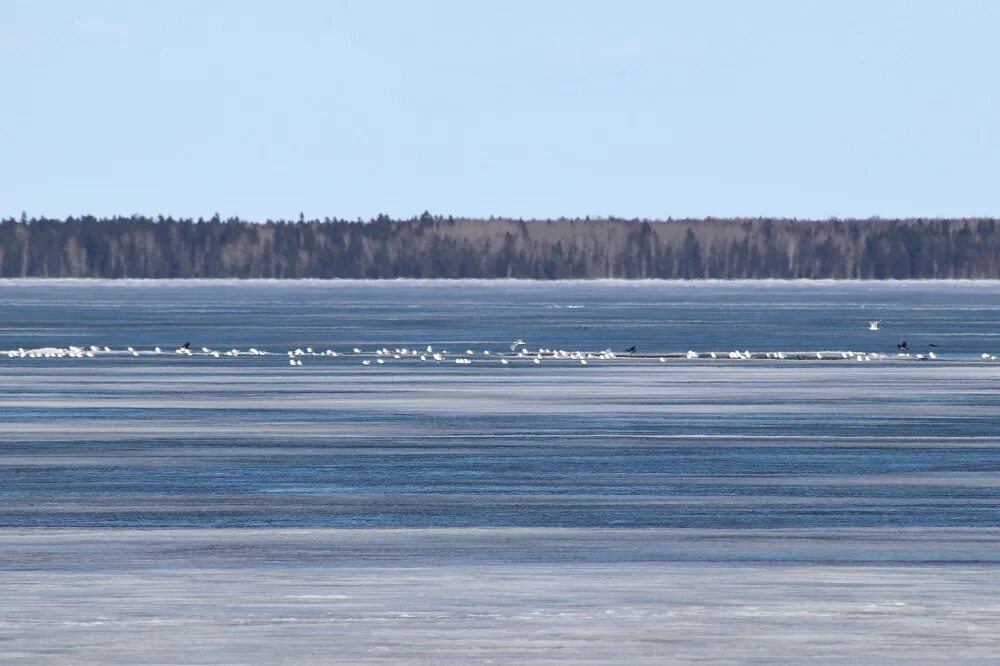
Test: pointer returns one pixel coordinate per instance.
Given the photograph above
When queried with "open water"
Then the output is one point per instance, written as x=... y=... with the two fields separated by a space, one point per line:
x=174 y=509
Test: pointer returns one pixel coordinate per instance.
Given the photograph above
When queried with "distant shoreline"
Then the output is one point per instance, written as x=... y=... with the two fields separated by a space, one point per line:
x=429 y=247
x=704 y=282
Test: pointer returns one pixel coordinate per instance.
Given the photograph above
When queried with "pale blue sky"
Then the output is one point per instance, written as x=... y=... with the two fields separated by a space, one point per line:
x=531 y=109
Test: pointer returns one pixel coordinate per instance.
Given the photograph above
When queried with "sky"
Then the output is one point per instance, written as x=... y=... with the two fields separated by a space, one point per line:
x=523 y=109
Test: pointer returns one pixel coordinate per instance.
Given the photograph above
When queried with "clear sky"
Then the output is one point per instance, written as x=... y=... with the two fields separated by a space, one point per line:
x=525 y=109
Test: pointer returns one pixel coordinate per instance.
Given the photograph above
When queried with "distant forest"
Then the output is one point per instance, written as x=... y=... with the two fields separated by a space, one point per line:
x=429 y=246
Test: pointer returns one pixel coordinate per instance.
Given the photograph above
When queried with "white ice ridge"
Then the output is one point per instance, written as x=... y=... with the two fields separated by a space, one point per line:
x=498 y=356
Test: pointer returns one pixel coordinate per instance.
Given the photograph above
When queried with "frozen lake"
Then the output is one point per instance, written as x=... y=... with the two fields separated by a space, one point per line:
x=199 y=510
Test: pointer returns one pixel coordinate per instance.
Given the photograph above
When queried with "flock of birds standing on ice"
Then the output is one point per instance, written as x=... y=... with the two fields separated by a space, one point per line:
x=519 y=352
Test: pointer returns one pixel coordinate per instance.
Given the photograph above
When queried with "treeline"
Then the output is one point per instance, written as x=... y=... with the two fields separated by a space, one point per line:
x=434 y=247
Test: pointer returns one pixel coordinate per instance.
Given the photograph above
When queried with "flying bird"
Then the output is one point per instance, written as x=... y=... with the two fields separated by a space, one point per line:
x=873 y=324
x=630 y=350
x=517 y=343
x=902 y=346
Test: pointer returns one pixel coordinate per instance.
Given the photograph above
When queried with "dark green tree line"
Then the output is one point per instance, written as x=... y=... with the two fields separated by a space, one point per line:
x=434 y=247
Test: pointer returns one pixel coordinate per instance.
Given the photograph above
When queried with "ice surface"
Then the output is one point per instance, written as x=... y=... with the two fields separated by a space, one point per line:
x=466 y=596
x=193 y=512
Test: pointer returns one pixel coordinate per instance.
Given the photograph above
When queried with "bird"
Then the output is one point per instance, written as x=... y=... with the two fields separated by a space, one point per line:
x=902 y=345
x=630 y=350
x=186 y=345
x=873 y=324
x=931 y=344
x=517 y=343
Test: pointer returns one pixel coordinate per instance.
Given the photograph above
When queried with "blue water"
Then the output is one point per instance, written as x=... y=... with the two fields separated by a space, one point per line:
x=175 y=509
x=961 y=317
x=250 y=442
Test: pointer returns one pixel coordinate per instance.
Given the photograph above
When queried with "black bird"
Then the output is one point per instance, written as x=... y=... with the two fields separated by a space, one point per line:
x=186 y=345
x=630 y=350
x=931 y=344
x=902 y=345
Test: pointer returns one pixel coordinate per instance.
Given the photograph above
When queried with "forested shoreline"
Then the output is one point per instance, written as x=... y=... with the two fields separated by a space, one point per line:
x=435 y=247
